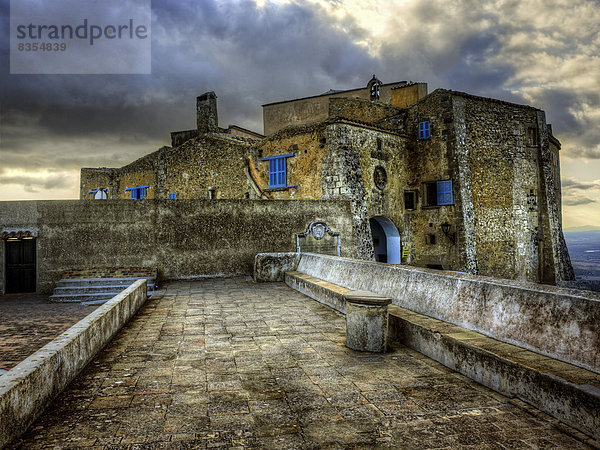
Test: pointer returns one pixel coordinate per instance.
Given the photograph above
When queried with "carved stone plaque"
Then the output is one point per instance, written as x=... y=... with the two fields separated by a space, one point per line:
x=318 y=231
x=380 y=177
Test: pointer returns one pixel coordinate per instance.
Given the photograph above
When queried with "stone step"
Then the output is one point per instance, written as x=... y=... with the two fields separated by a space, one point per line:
x=569 y=393
x=91 y=289
x=77 y=298
x=65 y=282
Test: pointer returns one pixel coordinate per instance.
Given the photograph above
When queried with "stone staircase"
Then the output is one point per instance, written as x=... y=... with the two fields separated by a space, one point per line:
x=90 y=291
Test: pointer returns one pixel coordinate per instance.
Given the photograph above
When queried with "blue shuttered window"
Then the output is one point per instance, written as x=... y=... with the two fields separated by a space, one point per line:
x=278 y=171
x=173 y=195
x=424 y=130
x=444 y=192
x=138 y=192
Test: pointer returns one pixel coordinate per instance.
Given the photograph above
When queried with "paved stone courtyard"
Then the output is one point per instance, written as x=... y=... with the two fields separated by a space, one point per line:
x=230 y=363
x=30 y=321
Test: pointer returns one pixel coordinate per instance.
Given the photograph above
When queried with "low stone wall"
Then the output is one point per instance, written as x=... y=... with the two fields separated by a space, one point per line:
x=557 y=322
x=27 y=389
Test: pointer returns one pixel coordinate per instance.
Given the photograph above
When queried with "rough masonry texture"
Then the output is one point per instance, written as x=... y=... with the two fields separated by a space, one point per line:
x=444 y=180
x=184 y=238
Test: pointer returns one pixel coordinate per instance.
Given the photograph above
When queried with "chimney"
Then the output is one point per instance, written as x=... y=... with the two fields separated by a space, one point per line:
x=206 y=113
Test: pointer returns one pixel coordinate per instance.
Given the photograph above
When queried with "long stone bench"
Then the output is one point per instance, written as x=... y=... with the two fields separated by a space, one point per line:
x=565 y=391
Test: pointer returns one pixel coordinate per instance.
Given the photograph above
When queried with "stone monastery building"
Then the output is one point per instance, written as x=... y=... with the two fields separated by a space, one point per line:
x=444 y=180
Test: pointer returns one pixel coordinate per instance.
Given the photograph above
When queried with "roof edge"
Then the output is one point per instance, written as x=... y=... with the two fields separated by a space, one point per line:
x=328 y=93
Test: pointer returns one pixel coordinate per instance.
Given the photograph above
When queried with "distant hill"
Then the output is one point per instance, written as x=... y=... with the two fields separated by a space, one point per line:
x=585 y=228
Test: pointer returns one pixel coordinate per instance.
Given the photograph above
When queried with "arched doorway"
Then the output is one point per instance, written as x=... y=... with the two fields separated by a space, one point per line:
x=386 y=240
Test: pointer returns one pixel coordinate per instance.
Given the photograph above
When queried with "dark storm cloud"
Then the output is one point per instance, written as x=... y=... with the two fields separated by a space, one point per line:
x=251 y=56
x=248 y=55
x=36 y=184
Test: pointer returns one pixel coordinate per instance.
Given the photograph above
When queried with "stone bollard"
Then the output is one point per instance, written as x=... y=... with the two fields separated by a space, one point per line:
x=366 y=321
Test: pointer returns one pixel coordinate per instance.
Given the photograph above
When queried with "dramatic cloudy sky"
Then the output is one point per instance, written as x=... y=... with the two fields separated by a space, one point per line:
x=544 y=53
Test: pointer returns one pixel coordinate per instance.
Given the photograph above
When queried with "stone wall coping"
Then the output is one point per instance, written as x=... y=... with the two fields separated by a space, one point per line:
x=528 y=286
x=367 y=298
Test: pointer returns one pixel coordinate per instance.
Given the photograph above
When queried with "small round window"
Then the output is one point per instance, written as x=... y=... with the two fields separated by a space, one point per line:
x=380 y=177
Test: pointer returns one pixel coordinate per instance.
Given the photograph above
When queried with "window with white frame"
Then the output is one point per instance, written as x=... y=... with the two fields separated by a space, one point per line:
x=99 y=194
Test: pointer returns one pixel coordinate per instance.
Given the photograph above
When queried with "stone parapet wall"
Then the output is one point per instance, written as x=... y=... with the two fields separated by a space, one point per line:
x=28 y=388
x=181 y=238
x=557 y=322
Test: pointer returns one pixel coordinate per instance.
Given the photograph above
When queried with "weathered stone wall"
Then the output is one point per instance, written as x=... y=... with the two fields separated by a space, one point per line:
x=404 y=96
x=243 y=132
x=179 y=137
x=216 y=162
x=99 y=178
x=299 y=112
x=313 y=109
x=141 y=172
x=360 y=110
x=504 y=172
x=550 y=189
x=428 y=161
x=182 y=238
x=273 y=266
x=208 y=163
x=309 y=145
x=513 y=234
x=356 y=152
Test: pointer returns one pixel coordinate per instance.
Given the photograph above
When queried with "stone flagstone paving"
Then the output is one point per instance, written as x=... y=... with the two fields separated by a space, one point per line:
x=230 y=363
x=30 y=321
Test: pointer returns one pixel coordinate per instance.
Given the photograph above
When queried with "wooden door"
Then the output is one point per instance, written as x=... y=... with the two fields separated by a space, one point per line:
x=20 y=265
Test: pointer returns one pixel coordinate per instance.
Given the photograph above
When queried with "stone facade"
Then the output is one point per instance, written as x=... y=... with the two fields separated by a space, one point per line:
x=445 y=180
x=306 y=110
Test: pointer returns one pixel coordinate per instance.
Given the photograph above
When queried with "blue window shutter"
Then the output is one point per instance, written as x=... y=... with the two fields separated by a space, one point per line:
x=143 y=192
x=133 y=192
x=424 y=130
x=277 y=172
x=173 y=195
x=272 y=172
x=281 y=180
x=444 y=192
